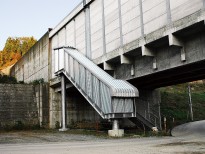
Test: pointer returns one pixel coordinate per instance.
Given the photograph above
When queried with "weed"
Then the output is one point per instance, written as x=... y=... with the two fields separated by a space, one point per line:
x=57 y=125
x=19 y=125
x=38 y=81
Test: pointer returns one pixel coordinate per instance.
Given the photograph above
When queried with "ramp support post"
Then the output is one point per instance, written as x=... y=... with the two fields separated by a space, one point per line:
x=116 y=132
x=63 y=96
x=115 y=124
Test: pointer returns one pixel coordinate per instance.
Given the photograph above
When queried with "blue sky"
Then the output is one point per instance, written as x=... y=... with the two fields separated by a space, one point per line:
x=31 y=17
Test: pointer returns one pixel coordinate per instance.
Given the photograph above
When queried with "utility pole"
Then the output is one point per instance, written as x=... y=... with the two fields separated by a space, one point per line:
x=190 y=102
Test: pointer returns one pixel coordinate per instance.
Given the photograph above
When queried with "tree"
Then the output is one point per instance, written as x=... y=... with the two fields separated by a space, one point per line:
x=1 y=58
x=14 y=49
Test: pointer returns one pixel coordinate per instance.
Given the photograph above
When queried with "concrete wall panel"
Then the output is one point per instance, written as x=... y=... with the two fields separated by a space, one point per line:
x=110 y=6
x=112 y=16
x=150 y=4
x=97 y=44
x=154 y=12
x=97 y=53
x=154 y=15
x=174 y=4
x=155 y=24
x=128 y=5
x=131 y=25
x=182 y=8
x=113 y=45
x=61 y=37
x=112 y=29
x=131 y=36
x=131 y=15
x=70 y=34
x=95 y=27
x=54 y=43
x=80 y=32
x=130 y=12
x=112 y=34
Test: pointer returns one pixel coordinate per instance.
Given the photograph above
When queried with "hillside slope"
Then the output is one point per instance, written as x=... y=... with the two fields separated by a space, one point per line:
x=14 y=49
x=175 y=103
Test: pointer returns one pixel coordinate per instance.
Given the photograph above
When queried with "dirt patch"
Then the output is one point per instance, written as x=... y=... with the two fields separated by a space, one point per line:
x=190 y=153
x=183 y=143
x=44 y=136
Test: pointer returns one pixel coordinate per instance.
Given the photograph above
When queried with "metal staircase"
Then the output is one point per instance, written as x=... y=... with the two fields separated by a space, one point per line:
x=139 y=120
x=111 y=98
x=148 y=113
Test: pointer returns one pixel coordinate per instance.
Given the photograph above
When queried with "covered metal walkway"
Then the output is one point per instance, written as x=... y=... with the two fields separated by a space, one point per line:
x=111 y=98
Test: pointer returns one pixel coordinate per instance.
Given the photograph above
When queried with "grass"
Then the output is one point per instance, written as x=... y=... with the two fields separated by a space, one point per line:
x=175 y=103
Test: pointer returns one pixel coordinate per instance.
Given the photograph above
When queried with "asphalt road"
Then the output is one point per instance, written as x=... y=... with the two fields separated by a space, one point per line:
x=152 y=145
x=195 y=129
x=75 y=142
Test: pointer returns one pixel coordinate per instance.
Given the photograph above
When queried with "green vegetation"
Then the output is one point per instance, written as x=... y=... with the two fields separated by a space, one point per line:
x=38 y=81
x=19 y=125
x=7 y=79
x=175 y=103
x=12 y=80
x=14 y=49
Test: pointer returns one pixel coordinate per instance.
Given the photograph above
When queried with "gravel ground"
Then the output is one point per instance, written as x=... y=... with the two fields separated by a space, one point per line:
x=40 y=142
x=47 y=136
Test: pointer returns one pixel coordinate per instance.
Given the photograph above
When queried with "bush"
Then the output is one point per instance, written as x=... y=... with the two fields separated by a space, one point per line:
x=36 y=82
x=7 y=79
x=57 y=125
x=18 y=125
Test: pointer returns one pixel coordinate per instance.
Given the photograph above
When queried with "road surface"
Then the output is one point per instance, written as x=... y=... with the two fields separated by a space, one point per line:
x=94 y=145
x=194 y=129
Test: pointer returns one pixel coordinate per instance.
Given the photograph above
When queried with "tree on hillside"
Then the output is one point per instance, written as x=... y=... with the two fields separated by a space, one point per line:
x=14 y=49
x=1 y=58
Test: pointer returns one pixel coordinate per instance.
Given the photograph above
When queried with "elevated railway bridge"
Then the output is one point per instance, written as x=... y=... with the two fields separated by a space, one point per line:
x=117 y=53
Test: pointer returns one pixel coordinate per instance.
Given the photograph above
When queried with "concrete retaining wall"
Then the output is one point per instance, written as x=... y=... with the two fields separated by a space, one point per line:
x=42 y=100
x=34 y=64
x=18 y=103
x=25 y=103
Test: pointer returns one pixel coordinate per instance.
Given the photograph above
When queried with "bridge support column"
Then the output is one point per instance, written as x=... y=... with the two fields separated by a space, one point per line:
x=63 y=95
x=116 y=132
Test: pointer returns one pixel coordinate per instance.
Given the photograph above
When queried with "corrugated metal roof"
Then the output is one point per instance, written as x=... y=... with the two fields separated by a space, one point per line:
x=119 y=88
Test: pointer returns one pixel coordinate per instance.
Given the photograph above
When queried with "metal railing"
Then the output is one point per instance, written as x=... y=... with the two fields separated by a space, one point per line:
x=111 y=98
x=150 y=113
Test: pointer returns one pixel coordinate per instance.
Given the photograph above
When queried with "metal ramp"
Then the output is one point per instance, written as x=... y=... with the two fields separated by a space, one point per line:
x=111 y=98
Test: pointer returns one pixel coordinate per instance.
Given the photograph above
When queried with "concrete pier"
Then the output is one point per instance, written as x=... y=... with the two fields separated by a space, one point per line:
x=116 y=132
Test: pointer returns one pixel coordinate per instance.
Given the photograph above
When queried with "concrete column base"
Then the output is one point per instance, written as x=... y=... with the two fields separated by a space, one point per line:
x=63 y=129
x=116 y=133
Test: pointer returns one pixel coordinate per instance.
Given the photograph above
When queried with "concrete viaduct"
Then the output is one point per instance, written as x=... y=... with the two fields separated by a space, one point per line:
x=143 y=44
